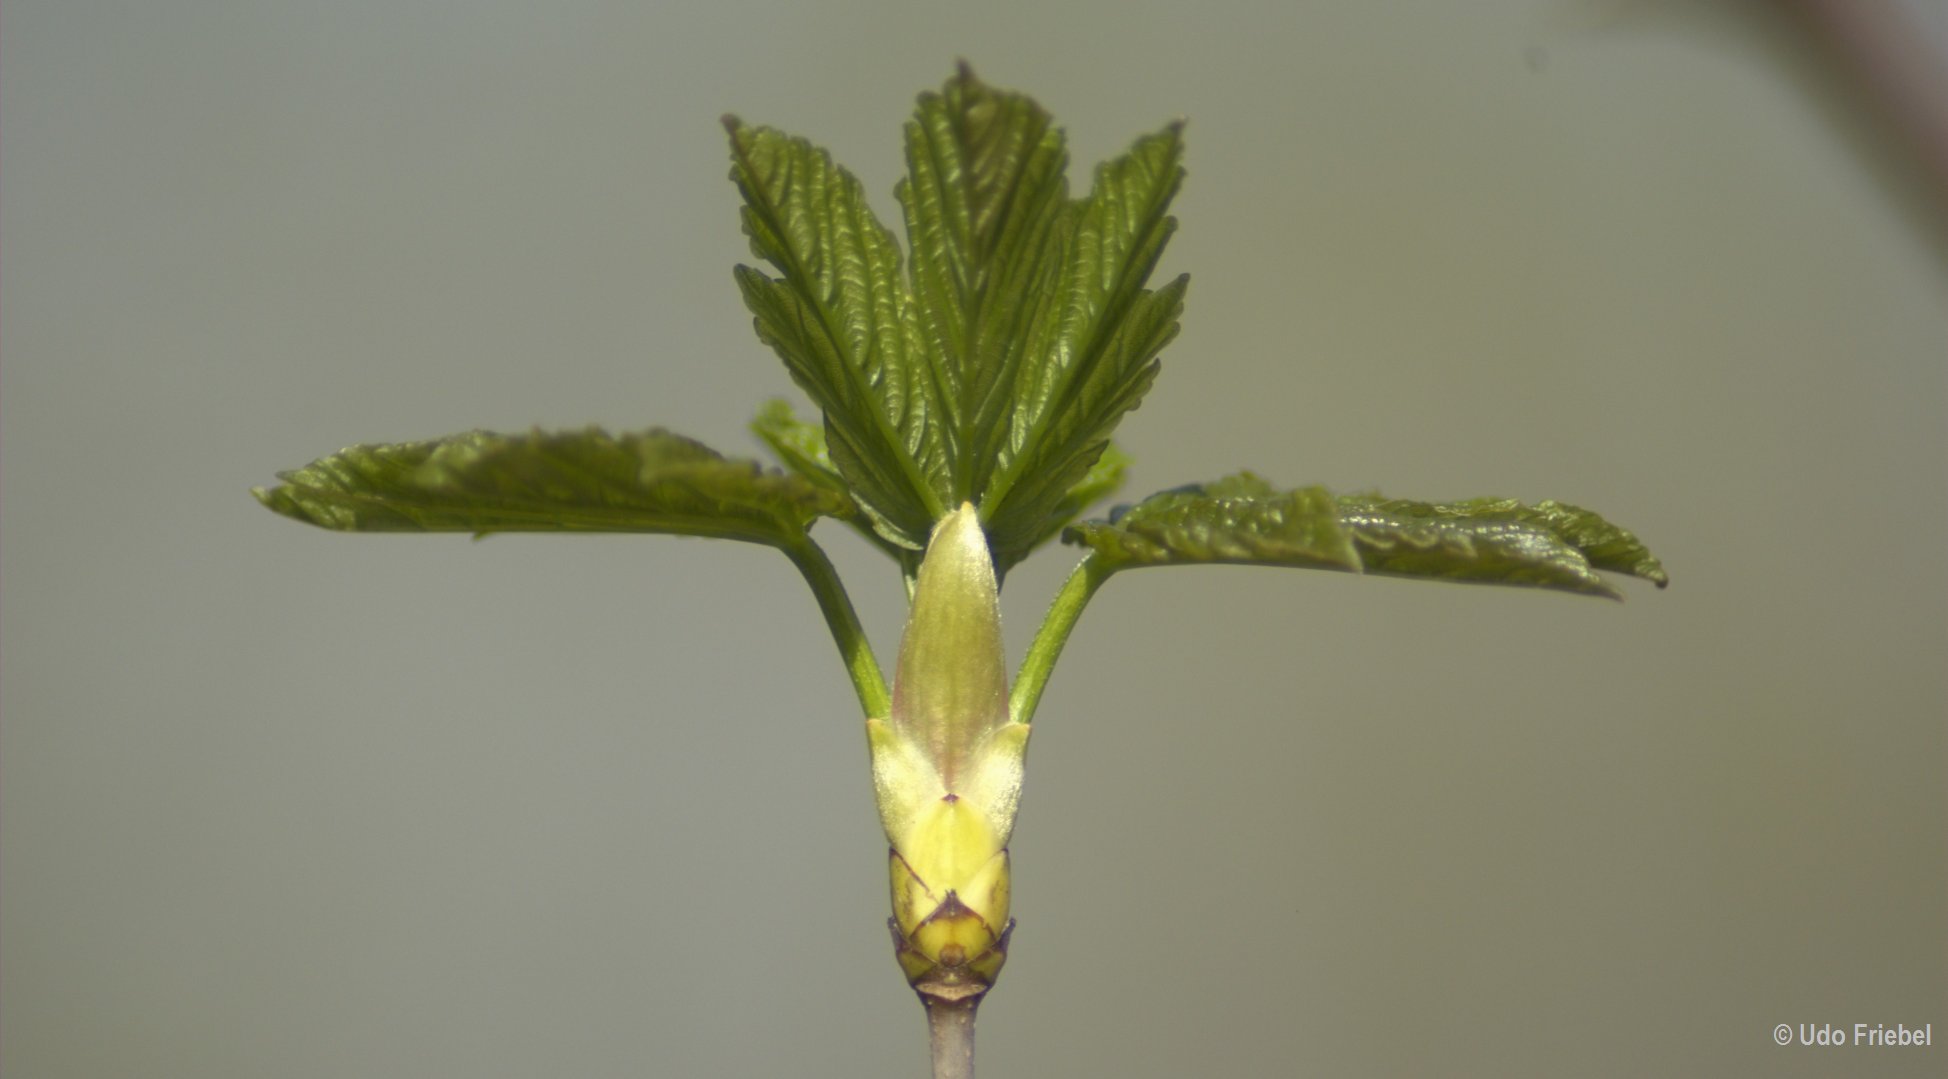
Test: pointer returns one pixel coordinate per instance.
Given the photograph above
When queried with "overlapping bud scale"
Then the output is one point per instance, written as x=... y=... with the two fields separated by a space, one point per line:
x=947 y=767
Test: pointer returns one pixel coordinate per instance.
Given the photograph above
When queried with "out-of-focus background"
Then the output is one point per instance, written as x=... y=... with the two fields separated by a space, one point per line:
x=279 y=802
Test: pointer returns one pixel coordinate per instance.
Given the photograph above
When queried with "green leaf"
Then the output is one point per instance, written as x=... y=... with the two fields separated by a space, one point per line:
x=1242 y=519
x=1607 y=546
x=1494 y=540
x=1092 y=342
x=841 y=319
x=1026 y=332
x=1238 y=520
x=1104 y=478
x=984 y=193
x=577 y=481
x=801 y=446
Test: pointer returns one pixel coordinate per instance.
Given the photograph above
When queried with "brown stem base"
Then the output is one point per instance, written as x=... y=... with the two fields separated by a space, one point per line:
x=950 y=1022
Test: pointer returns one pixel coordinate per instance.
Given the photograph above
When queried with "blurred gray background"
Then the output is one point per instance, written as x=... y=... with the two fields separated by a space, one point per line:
x=279 y=802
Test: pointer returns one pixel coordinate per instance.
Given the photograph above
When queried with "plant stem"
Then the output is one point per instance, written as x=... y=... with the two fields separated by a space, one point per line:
x=843 y=621
x=950 y=1022
x=1088 y=576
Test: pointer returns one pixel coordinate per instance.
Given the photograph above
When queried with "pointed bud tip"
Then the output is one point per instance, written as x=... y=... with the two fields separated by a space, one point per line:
x=950 y=687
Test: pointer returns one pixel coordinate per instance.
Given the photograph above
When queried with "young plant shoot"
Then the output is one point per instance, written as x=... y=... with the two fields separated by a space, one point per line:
x=967 y=390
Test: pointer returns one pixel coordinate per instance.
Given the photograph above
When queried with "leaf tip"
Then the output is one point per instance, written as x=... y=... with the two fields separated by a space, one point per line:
x=278 y=500
x=285 y=502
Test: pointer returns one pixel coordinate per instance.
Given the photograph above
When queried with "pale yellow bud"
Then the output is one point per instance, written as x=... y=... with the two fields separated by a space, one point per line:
x=947 y=767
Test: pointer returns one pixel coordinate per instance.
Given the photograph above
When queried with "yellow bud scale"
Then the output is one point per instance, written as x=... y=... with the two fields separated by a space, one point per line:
x=947 y=768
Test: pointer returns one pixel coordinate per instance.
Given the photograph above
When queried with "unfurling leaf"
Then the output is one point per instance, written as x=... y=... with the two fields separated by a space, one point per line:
x=986 y=202
x=1092 y=345
x=577 y=481
x=998 y=371
x=1242 y=519
x=841 y=320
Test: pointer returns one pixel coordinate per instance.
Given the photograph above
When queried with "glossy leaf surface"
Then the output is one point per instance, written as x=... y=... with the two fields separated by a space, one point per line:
x=995 y=371
x=1091 y=350
x=840 y=318
x=987 y=208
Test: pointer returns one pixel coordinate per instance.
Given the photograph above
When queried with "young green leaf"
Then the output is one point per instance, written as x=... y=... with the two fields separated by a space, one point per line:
x=1495 y=540
x=842 y=321
x=1092 y=343
x=1103 y=479
x=1241 y=519
x=984 y=192
x=577 y=481
x=1026 y=333
x=801 y=446
x=1604 y=544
